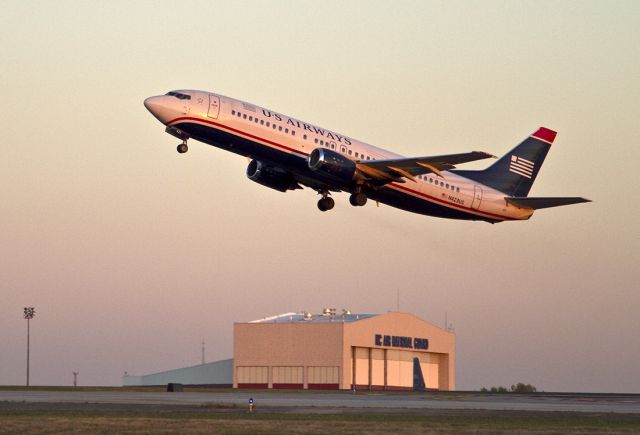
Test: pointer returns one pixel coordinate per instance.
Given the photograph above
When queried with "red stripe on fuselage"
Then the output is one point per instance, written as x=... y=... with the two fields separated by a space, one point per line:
x=448 y=204
x=391 y=185
x=226 y=127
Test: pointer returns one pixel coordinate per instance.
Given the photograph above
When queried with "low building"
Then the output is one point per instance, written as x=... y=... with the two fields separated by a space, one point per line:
x=329 y=351
x=392 y=351
x=215 y=374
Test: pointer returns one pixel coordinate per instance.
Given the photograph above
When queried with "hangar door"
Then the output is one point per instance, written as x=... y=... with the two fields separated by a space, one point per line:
x=287 y=377
x=252 y=376
x=368 y=368
x=360 y=366
x=323 y=378
x=374 y=368
x=399 y=369
x=430 y=365
x=377 y=369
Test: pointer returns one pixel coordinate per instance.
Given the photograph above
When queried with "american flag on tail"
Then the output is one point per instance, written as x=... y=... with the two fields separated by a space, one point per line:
x=521 y=166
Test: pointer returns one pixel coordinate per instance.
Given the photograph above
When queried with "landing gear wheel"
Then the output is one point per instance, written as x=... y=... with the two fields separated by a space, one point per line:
x=183 y=148
x=326 y=204
x=358 y=199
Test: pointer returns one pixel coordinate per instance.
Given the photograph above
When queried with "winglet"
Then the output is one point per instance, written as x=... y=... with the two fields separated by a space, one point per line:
x=544 y=134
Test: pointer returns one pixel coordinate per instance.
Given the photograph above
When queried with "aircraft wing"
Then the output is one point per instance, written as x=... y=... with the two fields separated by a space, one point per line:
x=389 y=170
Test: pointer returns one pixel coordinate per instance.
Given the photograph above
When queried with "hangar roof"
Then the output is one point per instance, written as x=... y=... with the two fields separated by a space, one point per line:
x=314 y=318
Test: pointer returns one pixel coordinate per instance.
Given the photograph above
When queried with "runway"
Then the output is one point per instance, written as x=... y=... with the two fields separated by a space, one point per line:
x=305 y=401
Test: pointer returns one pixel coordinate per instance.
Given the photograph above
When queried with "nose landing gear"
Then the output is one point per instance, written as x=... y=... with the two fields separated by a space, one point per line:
x=183 y=148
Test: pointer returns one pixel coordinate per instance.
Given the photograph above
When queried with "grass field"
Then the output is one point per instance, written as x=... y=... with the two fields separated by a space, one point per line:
x=235 y=421
x=157 y=418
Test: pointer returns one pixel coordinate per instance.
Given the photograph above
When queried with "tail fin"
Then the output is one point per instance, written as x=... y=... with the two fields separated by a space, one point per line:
x=515 y=172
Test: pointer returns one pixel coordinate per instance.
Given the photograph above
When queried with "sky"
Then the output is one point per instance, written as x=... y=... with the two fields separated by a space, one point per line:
x=133 y=254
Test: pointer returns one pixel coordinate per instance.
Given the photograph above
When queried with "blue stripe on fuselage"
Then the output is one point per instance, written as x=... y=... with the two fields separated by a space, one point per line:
x=297 y=165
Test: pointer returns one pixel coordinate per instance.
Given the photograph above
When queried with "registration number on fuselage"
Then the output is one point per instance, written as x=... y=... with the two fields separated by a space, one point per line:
x=456 y=200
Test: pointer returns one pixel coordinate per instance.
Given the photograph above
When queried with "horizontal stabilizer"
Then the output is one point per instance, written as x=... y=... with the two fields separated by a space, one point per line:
x=536 y=203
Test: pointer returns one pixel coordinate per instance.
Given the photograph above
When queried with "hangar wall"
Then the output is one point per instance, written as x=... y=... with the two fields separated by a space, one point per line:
x=276 y=355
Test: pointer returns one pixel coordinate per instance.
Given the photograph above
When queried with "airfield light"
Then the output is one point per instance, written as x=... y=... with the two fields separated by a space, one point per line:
x=29 y=313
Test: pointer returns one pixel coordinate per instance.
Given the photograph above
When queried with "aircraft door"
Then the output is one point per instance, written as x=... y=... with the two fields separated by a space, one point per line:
x=214 y=106
x=477 y=196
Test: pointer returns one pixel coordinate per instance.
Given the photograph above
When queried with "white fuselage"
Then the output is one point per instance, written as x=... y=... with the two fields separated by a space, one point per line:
x=293 y=137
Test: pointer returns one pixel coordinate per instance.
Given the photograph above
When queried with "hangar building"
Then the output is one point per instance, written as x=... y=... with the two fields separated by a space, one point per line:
x=327 y=351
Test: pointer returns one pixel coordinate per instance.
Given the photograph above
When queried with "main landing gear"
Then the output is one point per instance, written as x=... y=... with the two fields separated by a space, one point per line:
x=326 y=202
x=358 y=199
x=183 y=147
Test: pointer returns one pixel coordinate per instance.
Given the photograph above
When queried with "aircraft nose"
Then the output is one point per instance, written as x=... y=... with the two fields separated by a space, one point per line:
x=152 y=104
x=158 y=108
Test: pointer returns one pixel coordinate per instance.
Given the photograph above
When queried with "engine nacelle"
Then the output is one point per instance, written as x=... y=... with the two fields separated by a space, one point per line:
x=332 y=164
x=270 y=176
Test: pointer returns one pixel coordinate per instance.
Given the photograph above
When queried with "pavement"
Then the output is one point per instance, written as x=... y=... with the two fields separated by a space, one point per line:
x=342 y=401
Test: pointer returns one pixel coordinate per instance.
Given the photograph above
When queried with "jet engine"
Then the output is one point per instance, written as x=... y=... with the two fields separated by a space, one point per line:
x=270 y=176
x=332 y=164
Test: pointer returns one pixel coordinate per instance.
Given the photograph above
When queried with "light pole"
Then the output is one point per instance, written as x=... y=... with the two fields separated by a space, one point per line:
x=29 y=312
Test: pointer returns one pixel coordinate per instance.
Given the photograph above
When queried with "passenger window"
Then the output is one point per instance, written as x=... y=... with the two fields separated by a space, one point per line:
x=315 y=140
x=286 y=130
x=251 y=118
x=304 y=137
x=332 y=146
x=244 y=116
x=321 y=142
x=233 y=112
x=279 y=128
x=268 y=124
x=275 y=126
x=256 y=120
x=293 y=132
x=262 y=122
x=458 y=189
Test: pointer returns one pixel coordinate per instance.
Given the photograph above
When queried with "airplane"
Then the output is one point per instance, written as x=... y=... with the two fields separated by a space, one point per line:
x=286 y=153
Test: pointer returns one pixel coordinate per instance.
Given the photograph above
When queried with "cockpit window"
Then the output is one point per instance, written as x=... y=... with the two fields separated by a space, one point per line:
x=179 y=95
